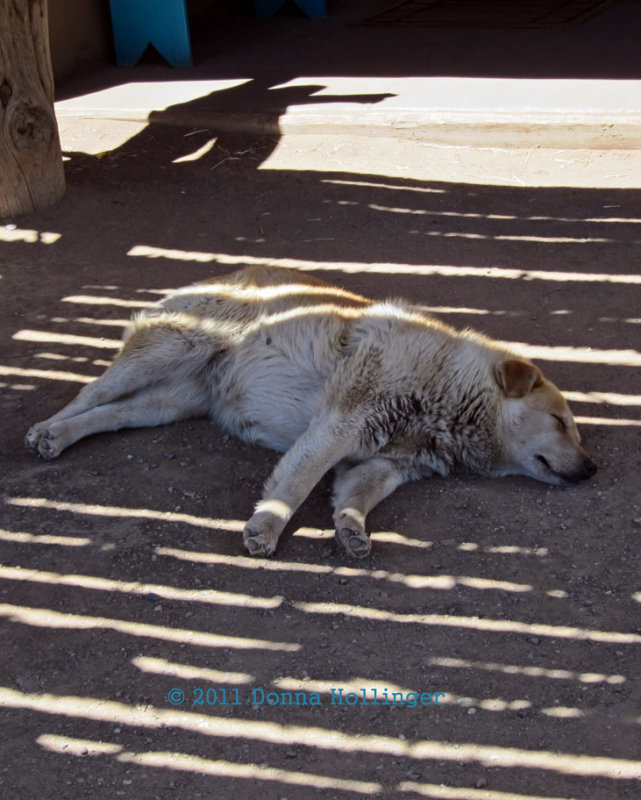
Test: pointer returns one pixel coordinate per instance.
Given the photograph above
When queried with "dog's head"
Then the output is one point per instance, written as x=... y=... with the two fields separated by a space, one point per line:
x=538 y=433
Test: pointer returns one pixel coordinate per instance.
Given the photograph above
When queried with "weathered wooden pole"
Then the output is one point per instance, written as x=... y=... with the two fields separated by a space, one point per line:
x=31 y=170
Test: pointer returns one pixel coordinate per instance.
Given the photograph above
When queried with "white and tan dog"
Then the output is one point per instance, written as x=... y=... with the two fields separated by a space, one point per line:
x=381 y=391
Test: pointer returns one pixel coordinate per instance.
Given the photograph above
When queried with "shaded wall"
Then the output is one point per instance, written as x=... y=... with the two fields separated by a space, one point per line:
x=80 y=33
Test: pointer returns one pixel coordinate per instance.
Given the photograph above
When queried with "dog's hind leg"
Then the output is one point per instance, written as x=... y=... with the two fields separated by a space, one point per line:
x=154 y=405
x=154 y=353
x=356 y=492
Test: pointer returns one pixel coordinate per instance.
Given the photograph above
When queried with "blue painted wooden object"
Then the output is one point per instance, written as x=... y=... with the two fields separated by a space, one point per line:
x=316 y=9
x=161 y=23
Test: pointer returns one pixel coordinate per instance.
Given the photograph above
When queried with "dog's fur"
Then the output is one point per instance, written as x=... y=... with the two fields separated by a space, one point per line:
x=381 y=391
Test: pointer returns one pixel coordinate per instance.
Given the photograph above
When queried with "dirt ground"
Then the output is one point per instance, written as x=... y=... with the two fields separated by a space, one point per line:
x=513 y=605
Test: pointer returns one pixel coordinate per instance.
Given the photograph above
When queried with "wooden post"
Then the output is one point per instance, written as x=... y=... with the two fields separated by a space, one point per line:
x=31 y=170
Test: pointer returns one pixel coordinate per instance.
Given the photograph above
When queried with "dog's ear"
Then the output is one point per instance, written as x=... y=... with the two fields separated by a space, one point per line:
x=517 y=378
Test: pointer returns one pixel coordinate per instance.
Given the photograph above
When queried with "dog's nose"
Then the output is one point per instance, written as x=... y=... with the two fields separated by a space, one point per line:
x=589 y=467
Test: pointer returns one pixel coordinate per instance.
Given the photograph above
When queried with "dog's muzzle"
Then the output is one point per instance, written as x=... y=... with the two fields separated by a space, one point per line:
x=585 y=470
x=589 y=468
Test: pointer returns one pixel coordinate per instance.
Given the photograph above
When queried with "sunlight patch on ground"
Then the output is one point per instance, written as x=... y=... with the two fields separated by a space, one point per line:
x=134 y=513
x=632 y=423
x=237 y=261
x=11 y=233
x=603 y=398
x=142 y=97
x=48 y=618
x=93 y=300
x=184 y=762
x=76 y=747
x=435 y=582
x=584 y=355
x=67 y=339
x=21 y=537
x=322 y=738
x=136 y=588
x=46 y=374
x=160 y=666
x=97 y=362
x=441 y=792
x=478 y=161
x=198 y=153
x=530 y=671
x=113 y=323
x=18 y=387
x=99 y=122
x=470 y=623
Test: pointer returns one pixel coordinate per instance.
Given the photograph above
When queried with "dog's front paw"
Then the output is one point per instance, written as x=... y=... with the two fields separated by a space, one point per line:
x=355 y=543
x=42 y=441
x=264 y=528
x=259 y=544
x=35 y=434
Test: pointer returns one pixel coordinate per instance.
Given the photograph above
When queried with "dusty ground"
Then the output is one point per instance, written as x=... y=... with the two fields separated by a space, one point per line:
x=123 y=574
